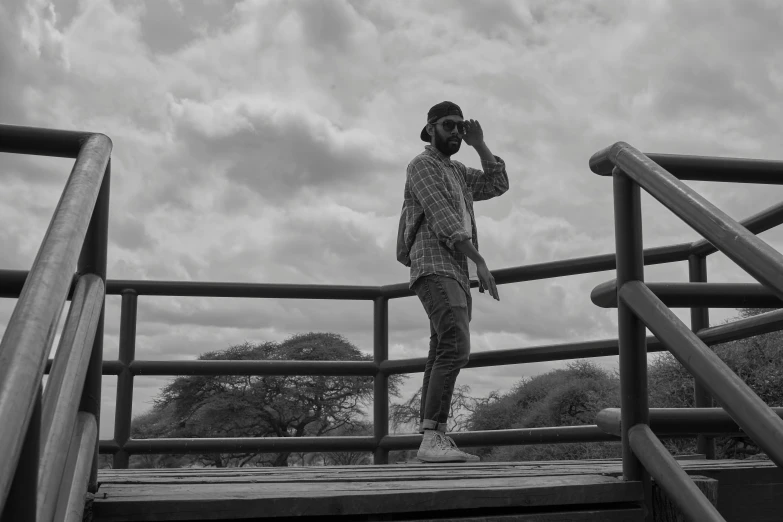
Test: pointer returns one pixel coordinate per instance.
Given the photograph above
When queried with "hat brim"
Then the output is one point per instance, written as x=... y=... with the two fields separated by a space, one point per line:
x=425 y=136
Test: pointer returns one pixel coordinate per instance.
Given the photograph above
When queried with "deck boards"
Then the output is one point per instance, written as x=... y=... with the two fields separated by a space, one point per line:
x=256 y=493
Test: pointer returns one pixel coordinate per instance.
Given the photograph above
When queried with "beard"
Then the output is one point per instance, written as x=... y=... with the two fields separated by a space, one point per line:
x=446 y=146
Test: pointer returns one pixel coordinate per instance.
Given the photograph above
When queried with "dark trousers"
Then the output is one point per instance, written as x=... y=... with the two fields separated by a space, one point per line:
x=449 y=309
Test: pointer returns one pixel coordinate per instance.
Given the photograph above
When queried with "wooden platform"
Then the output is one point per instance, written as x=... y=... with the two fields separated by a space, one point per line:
x=529 y=491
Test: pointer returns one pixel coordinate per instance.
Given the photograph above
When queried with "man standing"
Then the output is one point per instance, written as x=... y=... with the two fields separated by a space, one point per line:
x=438 y=236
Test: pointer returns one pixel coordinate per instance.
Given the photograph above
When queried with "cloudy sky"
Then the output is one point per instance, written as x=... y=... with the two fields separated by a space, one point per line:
x=266 y=141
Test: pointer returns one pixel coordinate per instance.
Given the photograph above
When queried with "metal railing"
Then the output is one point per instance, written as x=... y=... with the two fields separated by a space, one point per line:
x=127 y=367
x=641 y=306
x=50 y=439
x=87 y=294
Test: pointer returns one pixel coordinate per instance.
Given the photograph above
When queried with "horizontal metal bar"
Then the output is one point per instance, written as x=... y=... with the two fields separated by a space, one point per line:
x=69 y=493
x=249 y=444
x=756 y=325
x=11 y=281
x=512 y=437
x=761 y=222
x=757 y=258
x=36 y=141
x=740 y=329
x=64 y=387
x=743 y=328
x=108 y=447
x=243 y=290
x=31 y=329
x=332 y=368
x=670 y=476
x=567 y=267
x=693 y=295
x=678 y=421
x=553 y=435
x=551 y=352
x=109 y=367
x=751 y=413
x=702 y=168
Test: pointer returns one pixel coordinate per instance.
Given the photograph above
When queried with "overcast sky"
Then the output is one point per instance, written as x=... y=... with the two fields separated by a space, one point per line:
x=267 y=141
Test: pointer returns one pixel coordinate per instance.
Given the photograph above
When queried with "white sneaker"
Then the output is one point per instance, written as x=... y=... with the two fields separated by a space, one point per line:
x=435 y=448
x=453 y=445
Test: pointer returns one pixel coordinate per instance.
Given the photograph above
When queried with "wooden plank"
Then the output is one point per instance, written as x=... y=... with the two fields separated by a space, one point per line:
x=764 y=469
x=115 y=503
x=212 y=493
x=325 y=477
x=380 y=477
x=358 y=469
x=383 y=473
x=604 y=515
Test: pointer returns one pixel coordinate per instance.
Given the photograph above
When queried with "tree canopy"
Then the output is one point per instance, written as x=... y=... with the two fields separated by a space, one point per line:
x=266 y=405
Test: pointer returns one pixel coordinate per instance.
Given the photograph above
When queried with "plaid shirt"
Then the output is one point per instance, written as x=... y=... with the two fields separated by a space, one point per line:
x=433 y=187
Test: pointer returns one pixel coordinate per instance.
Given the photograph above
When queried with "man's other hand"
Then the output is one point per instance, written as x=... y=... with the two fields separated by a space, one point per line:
x=486 y=279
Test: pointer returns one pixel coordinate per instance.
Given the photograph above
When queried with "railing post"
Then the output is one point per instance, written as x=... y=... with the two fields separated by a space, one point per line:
x=124 y=402
x=381 y=382
x=632 y=340
x=92 y=260
x=22 y=502
x=700 y=319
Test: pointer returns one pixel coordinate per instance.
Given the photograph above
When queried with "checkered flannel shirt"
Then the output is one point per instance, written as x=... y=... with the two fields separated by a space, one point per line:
x=433 y=186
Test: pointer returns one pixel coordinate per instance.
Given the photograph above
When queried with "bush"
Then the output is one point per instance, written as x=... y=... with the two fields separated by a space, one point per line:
x=563 y=397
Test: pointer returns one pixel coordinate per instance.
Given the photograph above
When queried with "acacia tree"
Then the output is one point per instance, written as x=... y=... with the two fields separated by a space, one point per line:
x=266 y=405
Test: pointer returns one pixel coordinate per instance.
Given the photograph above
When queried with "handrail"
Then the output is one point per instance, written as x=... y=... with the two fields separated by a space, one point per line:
x=546 y=435
x=64 y=388
x=742 y=403
x=12 y=281
x=757 y=223
x=670 y=476
x=692 y=295
x=254 y=367
x=36 y=141
x=76 y=475
x=699 y=168
x=678 y=421
x=31 y=328
x=739 y=329
x=752 y=254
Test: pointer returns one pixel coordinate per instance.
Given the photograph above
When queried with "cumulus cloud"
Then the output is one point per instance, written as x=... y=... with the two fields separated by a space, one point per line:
x=266 y=141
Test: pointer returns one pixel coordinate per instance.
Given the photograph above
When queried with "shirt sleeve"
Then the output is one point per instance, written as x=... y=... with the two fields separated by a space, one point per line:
x=488 y=183
x=429 y=188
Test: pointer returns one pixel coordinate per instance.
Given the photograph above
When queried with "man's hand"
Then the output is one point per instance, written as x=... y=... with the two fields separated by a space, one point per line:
x=486 y=279
x=474 y=135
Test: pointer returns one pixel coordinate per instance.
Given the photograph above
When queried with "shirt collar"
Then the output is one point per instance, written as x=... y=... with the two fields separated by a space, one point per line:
x=438 y=154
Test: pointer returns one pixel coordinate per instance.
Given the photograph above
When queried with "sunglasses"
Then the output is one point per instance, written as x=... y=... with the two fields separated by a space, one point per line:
x=448 y=126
